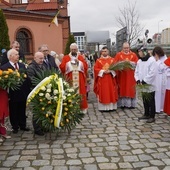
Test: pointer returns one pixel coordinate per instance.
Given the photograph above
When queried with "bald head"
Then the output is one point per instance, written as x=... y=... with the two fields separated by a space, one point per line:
x=126 y=47
x=39 y=57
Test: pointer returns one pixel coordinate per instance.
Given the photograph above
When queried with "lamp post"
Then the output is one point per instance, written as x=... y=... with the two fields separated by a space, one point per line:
x=158 y=25
x=158 y=32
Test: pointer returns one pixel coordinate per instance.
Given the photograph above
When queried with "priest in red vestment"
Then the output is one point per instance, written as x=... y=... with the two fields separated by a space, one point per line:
x=105 y=86
x=167 y=93
x=125 y=79
x=74 y=67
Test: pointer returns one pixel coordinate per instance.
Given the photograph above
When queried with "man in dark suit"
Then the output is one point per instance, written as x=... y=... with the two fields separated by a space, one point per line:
x=15 y=45
x=17 y=98
x=35 y=67
x=49 y=61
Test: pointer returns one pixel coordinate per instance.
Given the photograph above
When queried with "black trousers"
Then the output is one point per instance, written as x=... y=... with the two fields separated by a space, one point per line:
x=17 y=114
x=36 y=126
x=149 y=104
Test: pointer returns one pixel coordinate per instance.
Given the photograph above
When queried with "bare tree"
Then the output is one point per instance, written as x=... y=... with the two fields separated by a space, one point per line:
x=129 y=17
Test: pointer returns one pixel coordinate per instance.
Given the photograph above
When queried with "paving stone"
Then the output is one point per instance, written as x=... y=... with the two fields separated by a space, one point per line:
x=115 y=140
x=125 y=165
x=23 y=164
x=106 y=166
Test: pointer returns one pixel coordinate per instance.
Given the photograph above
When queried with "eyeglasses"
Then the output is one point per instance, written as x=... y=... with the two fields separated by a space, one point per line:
x=45 y=50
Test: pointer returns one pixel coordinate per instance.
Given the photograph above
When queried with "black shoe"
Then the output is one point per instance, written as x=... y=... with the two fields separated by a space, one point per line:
x=40 y=133
x=150 y=120
x=144 y=117
x=25 y=129
x=15 y=131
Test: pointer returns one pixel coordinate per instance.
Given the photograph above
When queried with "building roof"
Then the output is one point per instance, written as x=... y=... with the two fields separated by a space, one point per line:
x=6 y=3
x=42 y=6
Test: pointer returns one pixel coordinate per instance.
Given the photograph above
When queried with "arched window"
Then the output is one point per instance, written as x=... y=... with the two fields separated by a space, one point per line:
x=24 y=38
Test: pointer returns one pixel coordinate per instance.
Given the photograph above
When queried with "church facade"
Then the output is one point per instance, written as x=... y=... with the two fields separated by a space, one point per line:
x=30 y=24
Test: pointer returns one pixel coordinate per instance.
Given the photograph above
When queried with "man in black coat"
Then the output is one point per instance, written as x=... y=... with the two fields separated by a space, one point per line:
x=35 y=67
x=17 y=98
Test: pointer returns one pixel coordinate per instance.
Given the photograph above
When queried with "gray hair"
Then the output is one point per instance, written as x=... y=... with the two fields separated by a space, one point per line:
x=10 y=52
x=73 y=45
x=43 y=45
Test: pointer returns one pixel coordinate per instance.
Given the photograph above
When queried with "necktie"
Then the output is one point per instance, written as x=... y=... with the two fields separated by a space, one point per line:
x=16 y=66
x=46 y=61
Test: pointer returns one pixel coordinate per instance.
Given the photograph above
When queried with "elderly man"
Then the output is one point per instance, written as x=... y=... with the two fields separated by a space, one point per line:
x=74 y=67
x=49 y=61
x=36 y=66
x=17 y=102
x=125 y=79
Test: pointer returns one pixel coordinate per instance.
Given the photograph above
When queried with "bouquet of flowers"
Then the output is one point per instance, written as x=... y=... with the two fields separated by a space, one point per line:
x=12 y=79
x=56 y=105
x=121 y=65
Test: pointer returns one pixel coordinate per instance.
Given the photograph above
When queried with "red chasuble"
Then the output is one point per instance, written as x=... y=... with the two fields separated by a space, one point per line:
x=125 y=79
x=167 y=93
x=3 y=104
x=82 y=77
x=105 y=87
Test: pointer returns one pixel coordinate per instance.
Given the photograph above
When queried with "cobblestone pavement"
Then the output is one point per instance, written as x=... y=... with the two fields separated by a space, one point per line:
x=103 y=141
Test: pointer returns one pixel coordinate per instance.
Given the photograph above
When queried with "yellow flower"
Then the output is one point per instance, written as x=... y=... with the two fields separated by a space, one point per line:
x=6 y=76
x=49 y=102
x=42 y=108
x=67 y=120
x=10 y=70
x=70 y=101
x=65 y=113
x=51 y=121
x=1 y=72
x=64 y=104
x=46 y=115
x=25 y=76
x=62 y=124
x=66 y=109
x=18 y=74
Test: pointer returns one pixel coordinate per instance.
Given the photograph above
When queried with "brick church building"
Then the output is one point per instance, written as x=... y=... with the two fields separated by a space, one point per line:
x=28 y=23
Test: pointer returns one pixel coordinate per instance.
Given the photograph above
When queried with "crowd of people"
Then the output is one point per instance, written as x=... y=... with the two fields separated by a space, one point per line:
x=113 y=88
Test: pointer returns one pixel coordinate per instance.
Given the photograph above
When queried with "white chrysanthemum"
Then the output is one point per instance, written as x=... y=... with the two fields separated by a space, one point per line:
x=43 y=88
x=64 y=97
x=48 y=90
x=49 y=86
x=55 y=98
x=47 y=95
x=70 y=90
x=20 y=61
x=41 y=94
x=68 y=94
x=55 y=92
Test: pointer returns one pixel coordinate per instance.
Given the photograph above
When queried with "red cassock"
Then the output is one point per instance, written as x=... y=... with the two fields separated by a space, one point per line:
x=82 y=77
x=125 y=79
x=167 y=93
x=4 y=112
x=105 y=87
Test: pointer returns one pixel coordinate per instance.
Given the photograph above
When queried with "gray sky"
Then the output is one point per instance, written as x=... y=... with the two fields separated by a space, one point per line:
x=99 y=15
